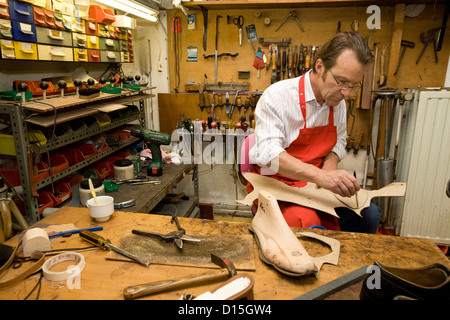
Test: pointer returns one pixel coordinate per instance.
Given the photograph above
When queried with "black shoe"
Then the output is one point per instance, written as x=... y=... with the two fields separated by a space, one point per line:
x=391 y=283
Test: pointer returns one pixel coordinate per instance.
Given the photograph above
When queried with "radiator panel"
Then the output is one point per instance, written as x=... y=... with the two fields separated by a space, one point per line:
x=426 y=210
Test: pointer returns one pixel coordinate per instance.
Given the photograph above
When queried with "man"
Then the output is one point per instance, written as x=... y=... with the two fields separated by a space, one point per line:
x=309 y=151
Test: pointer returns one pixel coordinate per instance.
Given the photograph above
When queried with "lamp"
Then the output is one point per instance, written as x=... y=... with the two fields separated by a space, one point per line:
x=132 y=8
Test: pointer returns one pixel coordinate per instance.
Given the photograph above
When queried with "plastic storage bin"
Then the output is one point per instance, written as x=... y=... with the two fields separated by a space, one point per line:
x=20 y=11
x=101 y=15
x=23 y=31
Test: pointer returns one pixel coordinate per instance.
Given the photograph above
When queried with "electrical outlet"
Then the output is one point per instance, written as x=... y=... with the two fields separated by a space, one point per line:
x=159 y=66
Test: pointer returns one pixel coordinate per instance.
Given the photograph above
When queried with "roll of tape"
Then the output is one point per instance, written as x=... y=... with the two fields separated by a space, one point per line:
x=267 y=22
x=71 y=271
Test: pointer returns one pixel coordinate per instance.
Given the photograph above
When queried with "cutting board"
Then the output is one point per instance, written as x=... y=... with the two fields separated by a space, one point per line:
x=237 y=249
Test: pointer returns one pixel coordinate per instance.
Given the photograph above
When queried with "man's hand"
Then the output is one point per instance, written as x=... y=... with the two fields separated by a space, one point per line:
x=338 y=181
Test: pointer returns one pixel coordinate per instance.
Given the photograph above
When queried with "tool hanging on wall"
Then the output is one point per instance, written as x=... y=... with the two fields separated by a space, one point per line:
x=216 y=56
x=239 y=22
x=251 y=34
x=215 y=59
x=176 y=29
x=292 y=14
x=382 y=79
x=441 y=34
x=205 y=26
x=426 y=39
x=404 y=44
x=258 y=63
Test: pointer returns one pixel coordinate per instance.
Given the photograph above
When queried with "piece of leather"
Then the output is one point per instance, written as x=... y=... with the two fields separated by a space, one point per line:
x=32 y=269
x=315 y=197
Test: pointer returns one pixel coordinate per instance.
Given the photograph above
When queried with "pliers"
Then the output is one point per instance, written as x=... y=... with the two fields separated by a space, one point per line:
x=430 y=37
x=176 y=236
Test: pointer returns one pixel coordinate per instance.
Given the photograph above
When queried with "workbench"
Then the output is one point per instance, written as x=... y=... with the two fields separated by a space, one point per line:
x=147 y=196
x=105 y=279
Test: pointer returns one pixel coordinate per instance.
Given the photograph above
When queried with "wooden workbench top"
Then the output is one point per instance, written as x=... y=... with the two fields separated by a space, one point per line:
x=106 y=279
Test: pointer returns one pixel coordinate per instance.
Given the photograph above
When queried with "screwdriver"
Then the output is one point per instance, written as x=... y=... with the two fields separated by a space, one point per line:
x=105 y=244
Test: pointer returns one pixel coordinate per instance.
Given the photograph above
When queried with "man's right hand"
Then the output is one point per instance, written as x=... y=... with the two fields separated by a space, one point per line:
x=340 y=182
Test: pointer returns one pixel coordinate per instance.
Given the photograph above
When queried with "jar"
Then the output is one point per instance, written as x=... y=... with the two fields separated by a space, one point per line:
x=85 y=192
x=123 y=169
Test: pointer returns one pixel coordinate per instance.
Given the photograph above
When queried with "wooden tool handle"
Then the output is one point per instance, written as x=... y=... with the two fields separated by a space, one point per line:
x=140 y=290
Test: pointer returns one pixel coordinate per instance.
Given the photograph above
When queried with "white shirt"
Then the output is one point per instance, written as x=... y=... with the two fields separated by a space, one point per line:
x=279 y=120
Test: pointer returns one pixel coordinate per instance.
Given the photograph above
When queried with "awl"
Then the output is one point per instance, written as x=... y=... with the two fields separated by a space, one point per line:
x=105 y=244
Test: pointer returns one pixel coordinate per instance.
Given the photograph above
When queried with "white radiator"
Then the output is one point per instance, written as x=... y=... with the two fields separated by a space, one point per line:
x=424 y=163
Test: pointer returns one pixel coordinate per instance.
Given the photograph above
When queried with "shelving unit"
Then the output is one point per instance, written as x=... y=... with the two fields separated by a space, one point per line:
x=22 y=115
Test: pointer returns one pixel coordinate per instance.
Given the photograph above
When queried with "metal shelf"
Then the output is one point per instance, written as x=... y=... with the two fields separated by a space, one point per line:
x=82 y=164
x=19 y=128
x=70 y=138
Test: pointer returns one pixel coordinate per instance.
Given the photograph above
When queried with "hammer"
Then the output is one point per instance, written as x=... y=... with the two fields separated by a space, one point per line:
x=405 y=44
x=140 y=290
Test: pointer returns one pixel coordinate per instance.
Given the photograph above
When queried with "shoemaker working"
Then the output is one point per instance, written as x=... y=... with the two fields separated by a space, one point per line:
x=301 y=130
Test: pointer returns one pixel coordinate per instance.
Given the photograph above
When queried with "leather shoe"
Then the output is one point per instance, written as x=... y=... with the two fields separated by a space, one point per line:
x=392 y=283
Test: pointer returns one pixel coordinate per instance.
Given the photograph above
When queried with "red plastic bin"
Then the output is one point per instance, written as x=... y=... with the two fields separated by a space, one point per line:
x=98 y=14
x=12 y=175
x=58 y=163
x=103 y=169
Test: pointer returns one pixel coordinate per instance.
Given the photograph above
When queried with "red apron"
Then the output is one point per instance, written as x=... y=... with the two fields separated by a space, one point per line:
x=311 y=146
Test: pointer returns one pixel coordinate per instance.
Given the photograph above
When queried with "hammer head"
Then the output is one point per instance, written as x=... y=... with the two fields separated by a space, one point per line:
x=224 y=264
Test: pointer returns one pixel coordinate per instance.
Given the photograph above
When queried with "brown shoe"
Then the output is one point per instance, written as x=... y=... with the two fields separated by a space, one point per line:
x=389 y=283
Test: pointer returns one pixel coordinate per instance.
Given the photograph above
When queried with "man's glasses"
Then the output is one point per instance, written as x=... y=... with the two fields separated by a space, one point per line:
x=345 y=85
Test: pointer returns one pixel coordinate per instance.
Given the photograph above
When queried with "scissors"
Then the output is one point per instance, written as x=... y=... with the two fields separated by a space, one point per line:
x=239 y=22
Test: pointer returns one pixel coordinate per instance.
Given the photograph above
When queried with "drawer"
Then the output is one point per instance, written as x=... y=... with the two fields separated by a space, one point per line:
x=123 y=45
x=4 y=12
x=21 y=12
x=7 y=49
x=59 y=23
x=68 y=9
x=123 y=34
x=40 y=3
x=91 y=28
x=79 y=40
x=80 y=54
x=23 y=31
x=68 y=22
x=109 y=56
x=92 y=42
x=39 y=17
x=5 y=29
x=55 y=53
x=79 y=26
x=25 y=50
x=44 y=17
x=109 y=44
x=93 y=55
x=57 y=5
x=54 y=36
x=102 y=30
x=125 y=56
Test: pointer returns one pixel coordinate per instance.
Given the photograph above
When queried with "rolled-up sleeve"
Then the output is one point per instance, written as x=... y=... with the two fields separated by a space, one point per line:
x=341 y=127
x=270 y=133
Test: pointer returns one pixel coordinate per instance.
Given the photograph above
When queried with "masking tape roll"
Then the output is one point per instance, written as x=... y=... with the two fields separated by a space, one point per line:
x=71 y=271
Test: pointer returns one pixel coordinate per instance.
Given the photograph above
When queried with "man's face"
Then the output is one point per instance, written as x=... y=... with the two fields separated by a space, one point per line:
x=335 y=83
